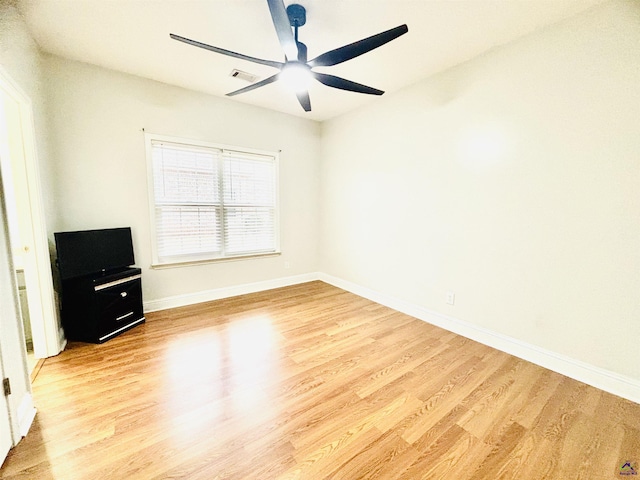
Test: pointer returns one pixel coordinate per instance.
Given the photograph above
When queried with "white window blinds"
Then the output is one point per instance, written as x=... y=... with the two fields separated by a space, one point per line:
x=212 y=202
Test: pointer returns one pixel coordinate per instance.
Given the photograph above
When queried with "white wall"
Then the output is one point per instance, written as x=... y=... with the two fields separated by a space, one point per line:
x=20 y=57
x=96 y=120
x=512 y=180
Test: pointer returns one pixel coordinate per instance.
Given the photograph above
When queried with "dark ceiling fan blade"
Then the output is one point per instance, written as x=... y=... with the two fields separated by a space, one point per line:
x=223 y=51
x=342 y=54
x=253 y=86
x=283 y=28
x=343 y=84
x=305 y=101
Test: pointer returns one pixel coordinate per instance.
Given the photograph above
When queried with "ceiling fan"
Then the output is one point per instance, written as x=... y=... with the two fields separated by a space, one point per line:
x=296 y=64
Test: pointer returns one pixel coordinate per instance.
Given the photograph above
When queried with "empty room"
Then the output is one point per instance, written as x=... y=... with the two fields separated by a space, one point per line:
x=336 y=239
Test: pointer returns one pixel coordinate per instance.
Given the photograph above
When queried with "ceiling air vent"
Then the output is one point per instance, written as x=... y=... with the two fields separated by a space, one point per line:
x=247 y=77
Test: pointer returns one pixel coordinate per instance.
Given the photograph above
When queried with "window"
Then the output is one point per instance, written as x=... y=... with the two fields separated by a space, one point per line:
x=211 y=202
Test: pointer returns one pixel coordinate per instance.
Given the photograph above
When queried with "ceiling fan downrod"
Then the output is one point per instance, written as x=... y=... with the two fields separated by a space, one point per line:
x=297 y=18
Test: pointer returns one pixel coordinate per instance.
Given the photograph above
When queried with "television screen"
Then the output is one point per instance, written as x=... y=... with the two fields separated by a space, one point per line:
x=93 y=251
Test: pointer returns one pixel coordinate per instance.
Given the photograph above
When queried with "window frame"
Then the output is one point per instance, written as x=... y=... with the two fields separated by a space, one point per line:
x=195 y=259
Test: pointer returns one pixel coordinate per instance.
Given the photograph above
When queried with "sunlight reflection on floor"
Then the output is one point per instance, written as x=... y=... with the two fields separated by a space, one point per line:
x=203 y=391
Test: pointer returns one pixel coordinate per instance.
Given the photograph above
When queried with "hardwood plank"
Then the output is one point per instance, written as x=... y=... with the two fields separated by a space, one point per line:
x=312 y=382
x=443 y=455
x=385 y=457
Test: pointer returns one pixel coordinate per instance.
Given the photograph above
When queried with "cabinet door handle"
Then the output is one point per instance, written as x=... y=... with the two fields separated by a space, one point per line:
x=123 y=294
x=122 y=317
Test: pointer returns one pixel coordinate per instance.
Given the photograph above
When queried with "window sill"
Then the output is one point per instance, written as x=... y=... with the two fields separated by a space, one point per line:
x=190 y=263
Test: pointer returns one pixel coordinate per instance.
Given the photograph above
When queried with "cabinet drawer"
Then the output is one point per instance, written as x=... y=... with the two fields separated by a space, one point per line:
x=119 y=305
x=96 y=308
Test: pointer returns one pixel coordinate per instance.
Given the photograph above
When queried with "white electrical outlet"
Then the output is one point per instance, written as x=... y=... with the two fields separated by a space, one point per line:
x=287 y=264
x=451 y=298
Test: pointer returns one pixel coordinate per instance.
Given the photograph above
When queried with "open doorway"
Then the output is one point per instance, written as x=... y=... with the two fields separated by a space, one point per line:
x=10 y=198
x=8 y=138
x=25 y=219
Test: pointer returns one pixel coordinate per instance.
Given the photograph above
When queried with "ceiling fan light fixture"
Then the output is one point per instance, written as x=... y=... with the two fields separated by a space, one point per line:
x=296 y=76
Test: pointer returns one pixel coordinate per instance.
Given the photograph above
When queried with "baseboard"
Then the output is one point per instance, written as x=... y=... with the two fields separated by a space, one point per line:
x=26 y=414
x=606 y=380
x=226 y=292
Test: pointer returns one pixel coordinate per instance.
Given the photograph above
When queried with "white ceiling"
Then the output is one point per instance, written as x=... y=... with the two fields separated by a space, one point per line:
x=133 y=36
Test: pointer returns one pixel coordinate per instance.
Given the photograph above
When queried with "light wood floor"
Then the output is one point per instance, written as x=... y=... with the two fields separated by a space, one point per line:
x=312 y=382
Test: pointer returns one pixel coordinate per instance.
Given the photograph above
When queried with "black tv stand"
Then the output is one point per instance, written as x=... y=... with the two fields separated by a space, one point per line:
x=96 y=308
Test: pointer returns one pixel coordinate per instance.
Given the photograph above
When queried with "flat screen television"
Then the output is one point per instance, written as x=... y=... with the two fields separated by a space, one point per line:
x=93 y=251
